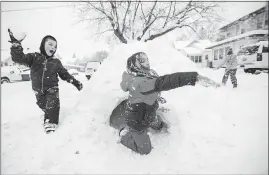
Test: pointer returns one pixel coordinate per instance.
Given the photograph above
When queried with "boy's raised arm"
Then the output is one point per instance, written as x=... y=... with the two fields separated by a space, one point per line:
x=18 y=56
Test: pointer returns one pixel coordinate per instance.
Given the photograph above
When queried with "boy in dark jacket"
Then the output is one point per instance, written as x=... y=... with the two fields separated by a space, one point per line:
x=144 y=87
x=44 y=72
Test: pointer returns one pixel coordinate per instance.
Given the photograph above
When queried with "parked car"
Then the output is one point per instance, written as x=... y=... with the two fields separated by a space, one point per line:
x=254 y=57
x=78 y=75
x=25 y=74
x=10 y=74
x=91 y=67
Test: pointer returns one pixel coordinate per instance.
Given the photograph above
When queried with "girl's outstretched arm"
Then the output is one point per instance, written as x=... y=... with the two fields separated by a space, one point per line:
x=179 y=79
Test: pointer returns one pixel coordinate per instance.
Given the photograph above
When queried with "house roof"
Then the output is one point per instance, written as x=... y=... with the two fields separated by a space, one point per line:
x=238 y=37
x=182 y=44
x=193 y=51
x=202 y=44
x=260 y=10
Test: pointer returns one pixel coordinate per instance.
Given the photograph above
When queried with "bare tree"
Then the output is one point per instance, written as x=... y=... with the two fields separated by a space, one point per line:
x=137 y=20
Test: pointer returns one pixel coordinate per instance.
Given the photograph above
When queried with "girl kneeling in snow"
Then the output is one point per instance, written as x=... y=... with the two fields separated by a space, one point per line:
x=45 y=69
x=144 y=87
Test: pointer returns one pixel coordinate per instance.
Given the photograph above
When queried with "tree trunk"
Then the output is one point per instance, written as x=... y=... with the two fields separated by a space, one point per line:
x=120 y=35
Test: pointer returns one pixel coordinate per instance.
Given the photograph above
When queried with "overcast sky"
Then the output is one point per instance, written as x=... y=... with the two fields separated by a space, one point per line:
x=60 y=23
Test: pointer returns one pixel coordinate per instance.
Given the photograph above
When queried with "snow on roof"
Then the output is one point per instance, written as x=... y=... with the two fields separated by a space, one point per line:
x=193 y=51
x=202 y=44
x=265 y=43
x=237 y=37
x=243 y=18
x=182 y=44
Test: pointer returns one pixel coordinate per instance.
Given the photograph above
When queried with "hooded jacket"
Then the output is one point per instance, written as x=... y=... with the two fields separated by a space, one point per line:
x=44 y=70
x=231 y=62
x=143 y=94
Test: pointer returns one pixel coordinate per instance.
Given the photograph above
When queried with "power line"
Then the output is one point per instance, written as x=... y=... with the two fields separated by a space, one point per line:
x=38 y=8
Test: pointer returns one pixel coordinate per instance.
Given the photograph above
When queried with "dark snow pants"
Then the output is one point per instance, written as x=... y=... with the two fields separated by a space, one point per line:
x=49 y=102
x=232 y=73
x=139 y=141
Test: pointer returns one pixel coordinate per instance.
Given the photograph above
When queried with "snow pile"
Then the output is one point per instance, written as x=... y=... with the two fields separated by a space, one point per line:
x=105 y=83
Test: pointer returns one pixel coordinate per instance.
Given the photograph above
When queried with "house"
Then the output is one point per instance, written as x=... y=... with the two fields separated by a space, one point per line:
x=249 y=29
x=194 y=50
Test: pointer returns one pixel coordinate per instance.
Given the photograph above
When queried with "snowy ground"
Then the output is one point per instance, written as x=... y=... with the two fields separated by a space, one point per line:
x=216 y=131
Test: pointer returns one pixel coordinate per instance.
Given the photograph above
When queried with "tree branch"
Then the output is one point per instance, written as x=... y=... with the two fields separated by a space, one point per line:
x=136 y=8
x=146 y=28
x=102 y=11
x=151 y=12
x=162 y=33
x=114 y=10
x=165 y=22
x=124 y=19
x=144 y=17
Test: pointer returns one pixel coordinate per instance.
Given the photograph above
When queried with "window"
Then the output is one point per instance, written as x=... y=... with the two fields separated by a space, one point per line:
x=248 y=50
x=243 y=31
x=266 y=18
x=228 y=34
x=192 y=58
x=220 y=54
x=206 y=57
x=237 y=29
x=216 y=54
x=265 y=49
x=196 y=59
x=200 y=59
x=259 y=21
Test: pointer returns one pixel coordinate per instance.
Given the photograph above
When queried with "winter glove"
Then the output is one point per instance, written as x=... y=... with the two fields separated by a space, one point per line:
x=161 y=100
x=16 y=46
x=77 y=84
x=206 y=82
x=18 y=39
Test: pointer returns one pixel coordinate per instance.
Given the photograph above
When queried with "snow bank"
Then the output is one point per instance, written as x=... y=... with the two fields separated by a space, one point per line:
x=105 y=83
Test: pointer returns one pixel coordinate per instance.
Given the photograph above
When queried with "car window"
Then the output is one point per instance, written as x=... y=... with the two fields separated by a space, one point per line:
x=248 y=50
x=265 y=49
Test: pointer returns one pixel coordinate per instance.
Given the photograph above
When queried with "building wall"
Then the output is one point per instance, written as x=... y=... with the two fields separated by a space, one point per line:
x=256 y=22
x=207 y=57
x=234 y=45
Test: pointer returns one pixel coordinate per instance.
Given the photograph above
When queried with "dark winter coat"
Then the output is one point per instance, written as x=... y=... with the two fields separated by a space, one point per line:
x=43 y=71
x=143 y=94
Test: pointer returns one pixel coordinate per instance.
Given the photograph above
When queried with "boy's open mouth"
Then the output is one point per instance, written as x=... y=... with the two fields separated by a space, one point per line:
x=51 y=51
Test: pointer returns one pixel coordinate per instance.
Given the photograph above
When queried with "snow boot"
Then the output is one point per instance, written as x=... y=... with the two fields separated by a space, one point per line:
x=159 y=125
x=49 y=127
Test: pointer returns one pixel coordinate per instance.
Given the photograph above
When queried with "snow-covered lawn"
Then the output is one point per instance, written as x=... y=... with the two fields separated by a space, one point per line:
x=215 y=131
